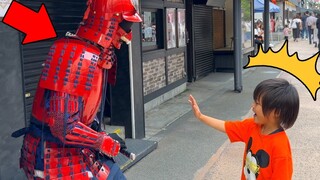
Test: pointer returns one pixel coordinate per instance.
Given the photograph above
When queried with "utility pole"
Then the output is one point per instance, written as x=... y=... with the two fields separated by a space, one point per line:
x=266 y=25
x=237 y=45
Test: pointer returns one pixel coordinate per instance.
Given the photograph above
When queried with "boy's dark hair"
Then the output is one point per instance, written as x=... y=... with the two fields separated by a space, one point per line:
x=279 y=95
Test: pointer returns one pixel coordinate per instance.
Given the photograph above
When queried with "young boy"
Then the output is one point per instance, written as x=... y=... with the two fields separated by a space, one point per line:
x=268 y=153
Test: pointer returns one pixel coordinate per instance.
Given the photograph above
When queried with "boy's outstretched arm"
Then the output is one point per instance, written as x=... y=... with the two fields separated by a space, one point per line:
x=213 y=122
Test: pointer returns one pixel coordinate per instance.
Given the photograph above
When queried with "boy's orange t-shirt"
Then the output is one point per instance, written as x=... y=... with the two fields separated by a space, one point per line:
x=265 y=156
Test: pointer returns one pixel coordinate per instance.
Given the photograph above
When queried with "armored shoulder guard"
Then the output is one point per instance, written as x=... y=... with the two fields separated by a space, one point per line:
x=71 y=67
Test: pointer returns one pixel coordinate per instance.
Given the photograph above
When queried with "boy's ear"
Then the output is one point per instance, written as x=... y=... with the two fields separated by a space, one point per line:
x=275 y=114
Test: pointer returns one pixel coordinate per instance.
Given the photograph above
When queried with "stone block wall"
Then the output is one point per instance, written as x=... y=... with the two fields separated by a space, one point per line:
x=158 y=73
x=154 y=76
x=176 y=67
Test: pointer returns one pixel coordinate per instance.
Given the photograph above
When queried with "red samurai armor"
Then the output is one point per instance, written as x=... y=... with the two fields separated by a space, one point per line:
x=59 y=142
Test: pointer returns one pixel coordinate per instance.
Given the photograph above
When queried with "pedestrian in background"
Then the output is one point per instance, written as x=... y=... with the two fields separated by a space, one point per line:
x=278 y=24
x=258 y=34
x=286 y=31
x=296 y=25
x=304 y=31
x=318 y=28
x=272 y=24
x=311 y=23
x=268 y=151
x=315 y=32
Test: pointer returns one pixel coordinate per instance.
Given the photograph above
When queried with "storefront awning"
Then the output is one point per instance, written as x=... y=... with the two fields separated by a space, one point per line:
x=290 y=6
x=259 y=6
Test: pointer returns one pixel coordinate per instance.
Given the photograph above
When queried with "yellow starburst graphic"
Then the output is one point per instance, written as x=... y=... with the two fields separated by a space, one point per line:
x=304 y=70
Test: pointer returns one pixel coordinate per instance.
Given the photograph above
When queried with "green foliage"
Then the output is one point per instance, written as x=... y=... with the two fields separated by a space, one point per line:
x=246 y=9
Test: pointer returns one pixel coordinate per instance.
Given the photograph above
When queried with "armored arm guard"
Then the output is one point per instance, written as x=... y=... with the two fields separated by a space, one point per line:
x=64 y=114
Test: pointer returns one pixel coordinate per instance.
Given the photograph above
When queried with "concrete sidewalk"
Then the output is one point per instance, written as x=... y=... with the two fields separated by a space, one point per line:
x=188 y=149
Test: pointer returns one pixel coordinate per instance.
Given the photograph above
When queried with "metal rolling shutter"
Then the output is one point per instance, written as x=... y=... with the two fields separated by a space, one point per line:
x=203 y=40
x=65 y=16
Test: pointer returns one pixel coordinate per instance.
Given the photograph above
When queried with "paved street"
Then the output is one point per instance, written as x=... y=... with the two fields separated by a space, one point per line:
x=188 y=149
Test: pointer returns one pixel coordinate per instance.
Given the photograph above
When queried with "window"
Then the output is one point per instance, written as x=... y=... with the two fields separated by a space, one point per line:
x=160 y=33
x=171 y=28
x=181 y=28
x=152 y=29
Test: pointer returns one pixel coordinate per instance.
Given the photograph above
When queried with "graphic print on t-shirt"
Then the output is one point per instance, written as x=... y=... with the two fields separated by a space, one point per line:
x=254 y=161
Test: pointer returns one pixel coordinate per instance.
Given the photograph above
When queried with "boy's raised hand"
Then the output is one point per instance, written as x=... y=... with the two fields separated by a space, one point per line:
x=195 y=107
x=211 y=121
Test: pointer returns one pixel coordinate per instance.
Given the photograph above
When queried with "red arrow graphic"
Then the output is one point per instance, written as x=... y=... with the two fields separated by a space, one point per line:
x=36 y=25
